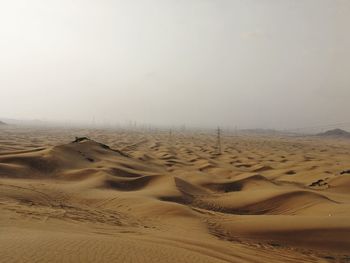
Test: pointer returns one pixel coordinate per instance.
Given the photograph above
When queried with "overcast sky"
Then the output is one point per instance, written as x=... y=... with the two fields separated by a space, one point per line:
x=245 y=63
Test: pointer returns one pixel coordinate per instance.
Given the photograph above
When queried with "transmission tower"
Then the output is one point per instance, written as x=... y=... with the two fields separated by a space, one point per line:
x=218 y=145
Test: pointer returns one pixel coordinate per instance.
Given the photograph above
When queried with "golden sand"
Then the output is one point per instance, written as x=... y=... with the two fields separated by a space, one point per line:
x=127 y=196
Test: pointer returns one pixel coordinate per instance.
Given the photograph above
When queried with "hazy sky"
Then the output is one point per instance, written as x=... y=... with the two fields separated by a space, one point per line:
x=250 y=63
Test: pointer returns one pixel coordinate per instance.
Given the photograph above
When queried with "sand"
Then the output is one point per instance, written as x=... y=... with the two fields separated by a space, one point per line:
x=131 y=196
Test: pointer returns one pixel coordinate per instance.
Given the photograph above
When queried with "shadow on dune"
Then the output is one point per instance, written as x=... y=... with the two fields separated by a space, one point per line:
x=281 y=203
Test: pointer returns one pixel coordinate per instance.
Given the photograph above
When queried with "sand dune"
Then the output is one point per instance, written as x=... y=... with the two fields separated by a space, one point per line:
x=142 y=197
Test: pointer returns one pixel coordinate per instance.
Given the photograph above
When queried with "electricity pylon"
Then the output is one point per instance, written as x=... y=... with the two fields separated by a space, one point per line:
x=218 y=145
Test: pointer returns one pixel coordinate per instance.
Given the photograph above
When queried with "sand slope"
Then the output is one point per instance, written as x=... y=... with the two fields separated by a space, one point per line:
x=148 y=197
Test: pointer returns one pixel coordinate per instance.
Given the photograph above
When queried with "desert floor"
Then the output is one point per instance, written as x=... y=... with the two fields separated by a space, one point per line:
x=131 y=196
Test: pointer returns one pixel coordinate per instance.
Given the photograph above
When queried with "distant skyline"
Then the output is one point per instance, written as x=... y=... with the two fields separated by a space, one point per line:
x=245 y=63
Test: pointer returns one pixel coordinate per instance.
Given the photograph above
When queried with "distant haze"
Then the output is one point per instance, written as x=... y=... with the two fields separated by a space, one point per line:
x=246 y=63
